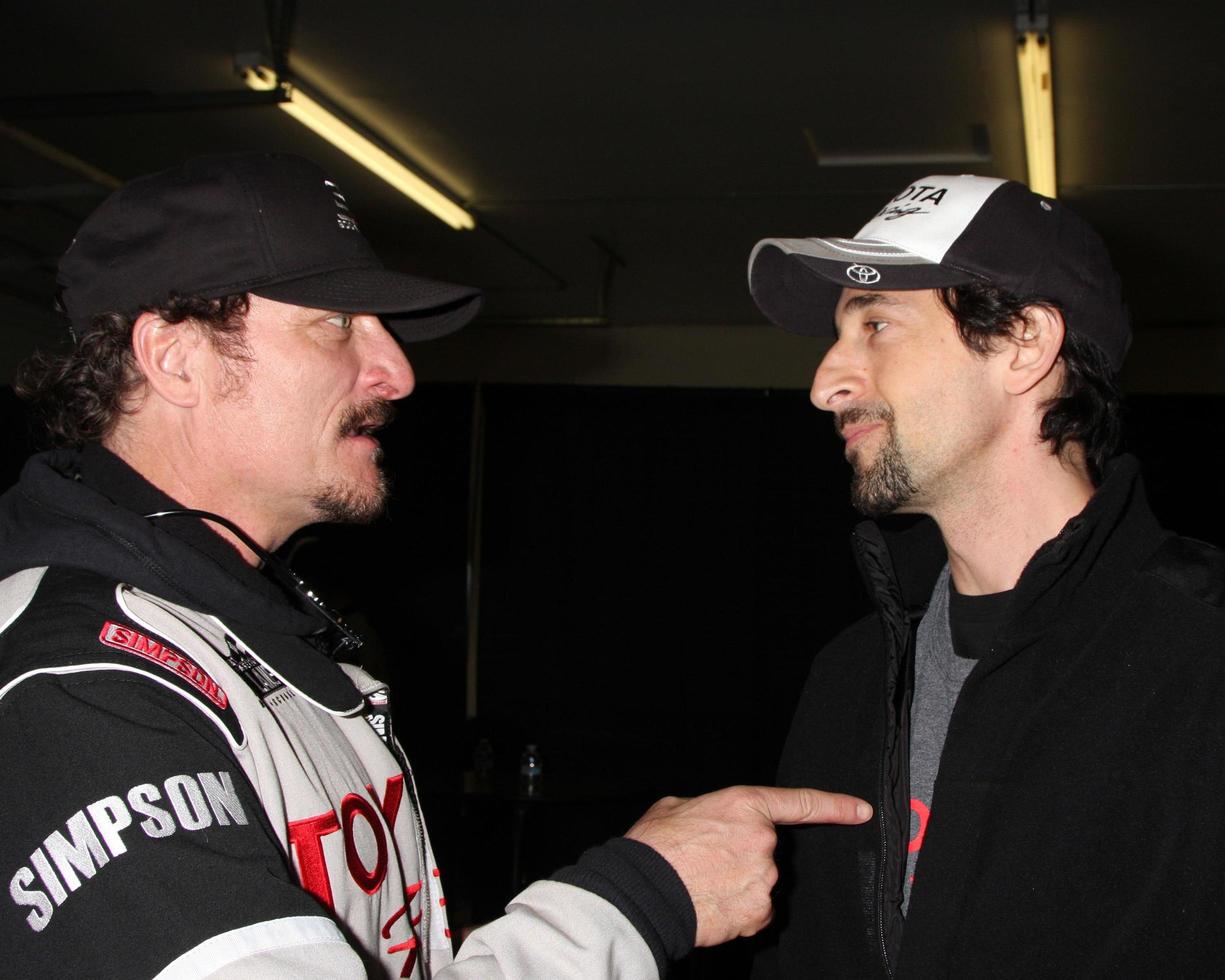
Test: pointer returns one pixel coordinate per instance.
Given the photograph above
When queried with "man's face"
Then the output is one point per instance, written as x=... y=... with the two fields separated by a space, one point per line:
x=911 y=400
x=293 y=425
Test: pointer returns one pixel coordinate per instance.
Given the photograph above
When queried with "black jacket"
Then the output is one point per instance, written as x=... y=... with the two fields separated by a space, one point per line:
x=1076 y=826
x=74 y=736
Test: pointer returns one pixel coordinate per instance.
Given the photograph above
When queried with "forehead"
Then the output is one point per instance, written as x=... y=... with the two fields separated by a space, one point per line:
x=918 y=307
x=271 y=311
x=917 y=301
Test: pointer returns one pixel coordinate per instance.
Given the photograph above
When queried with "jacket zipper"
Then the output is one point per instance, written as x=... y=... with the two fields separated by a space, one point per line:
x=887 y=804
x=871 y=567
x=883 y=870
x=427 y=902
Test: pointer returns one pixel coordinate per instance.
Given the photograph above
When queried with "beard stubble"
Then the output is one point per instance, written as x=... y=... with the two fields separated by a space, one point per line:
x=884 y=484
x=353 y=502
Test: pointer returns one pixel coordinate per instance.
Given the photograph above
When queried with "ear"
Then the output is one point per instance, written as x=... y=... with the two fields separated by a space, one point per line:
x=165 y=354
x=1033 y=349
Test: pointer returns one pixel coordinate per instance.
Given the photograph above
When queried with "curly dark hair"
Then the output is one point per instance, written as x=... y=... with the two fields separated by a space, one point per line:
x=1088 y=408
x=79 y=391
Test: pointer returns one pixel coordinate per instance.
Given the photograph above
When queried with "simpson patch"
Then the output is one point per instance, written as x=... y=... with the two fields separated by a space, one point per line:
x=125 y=638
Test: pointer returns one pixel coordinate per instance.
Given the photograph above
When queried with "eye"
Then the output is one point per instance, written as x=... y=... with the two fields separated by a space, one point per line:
x=876 y=326
x=342 y=320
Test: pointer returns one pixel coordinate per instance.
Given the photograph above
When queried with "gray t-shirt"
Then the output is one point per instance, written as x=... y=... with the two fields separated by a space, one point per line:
x=939 y=674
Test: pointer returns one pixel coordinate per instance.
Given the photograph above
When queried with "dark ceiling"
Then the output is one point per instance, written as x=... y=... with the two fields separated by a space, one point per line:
x=622 y=158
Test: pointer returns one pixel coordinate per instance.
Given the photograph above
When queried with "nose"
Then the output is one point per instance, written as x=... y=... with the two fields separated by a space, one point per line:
x=839 y=379
x=386 y=371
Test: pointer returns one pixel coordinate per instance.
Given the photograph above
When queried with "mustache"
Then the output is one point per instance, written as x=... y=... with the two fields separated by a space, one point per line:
x=357 y=420
x=861 y=413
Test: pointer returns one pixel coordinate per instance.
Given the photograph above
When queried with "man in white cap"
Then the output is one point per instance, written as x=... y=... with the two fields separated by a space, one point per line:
x=193 y=785
x=1037 y=704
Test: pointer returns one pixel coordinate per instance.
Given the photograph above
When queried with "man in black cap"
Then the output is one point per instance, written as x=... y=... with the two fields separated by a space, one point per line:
x=193 y=785
x=1037 y=705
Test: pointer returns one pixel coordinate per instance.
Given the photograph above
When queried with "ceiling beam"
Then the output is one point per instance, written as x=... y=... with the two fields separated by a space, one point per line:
x=127 y=103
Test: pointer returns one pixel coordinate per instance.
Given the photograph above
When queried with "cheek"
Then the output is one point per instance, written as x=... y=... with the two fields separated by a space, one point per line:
x=264 y=421
x=963 y=409
x=261 y=439
x=931 y=399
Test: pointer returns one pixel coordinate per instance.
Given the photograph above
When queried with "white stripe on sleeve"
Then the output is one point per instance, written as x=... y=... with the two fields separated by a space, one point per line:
x=270 y=950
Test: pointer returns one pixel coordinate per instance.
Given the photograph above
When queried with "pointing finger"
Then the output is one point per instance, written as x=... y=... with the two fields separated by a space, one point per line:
x=803 y=805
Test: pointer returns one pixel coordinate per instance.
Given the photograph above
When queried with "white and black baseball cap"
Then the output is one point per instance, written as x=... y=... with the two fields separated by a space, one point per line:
x=270 y=224
x=951 y=231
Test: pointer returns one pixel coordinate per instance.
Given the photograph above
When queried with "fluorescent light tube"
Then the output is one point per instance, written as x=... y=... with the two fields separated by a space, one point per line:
x=344 y=137
x=1037 y=110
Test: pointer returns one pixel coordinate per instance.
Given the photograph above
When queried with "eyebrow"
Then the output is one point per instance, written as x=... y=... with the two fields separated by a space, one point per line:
x=870 y=299
x=860 y=302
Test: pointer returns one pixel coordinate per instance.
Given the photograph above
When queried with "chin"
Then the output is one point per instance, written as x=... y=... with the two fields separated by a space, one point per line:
x=353 y=502
x=883 y=484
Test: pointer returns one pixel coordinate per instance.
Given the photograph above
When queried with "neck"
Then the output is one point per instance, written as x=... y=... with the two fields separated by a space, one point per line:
x=173 y=472
x=993 y=530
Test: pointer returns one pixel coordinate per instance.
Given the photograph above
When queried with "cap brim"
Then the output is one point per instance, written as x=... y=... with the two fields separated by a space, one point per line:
x=796 y=282
x=413 y=308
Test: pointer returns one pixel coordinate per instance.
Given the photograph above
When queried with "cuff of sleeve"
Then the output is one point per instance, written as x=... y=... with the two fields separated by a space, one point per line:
x=643 y=887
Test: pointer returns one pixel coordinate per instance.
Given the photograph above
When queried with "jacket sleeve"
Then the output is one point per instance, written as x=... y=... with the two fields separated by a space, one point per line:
x=133 y=842
x=555 y=930
x=620 y=913
x=282 y=949
x=135 y=846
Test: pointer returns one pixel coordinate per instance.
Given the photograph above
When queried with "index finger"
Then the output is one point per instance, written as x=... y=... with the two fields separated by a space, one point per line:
x=803 y=805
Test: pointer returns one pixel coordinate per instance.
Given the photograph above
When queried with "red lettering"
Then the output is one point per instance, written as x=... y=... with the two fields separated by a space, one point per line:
x=115 y=635
x=368 y=879
x=389 y=805
x=409 y=894
x=306 y=838
x=123 y=638
x=409 y=961
x=923 y=812
x=411 y=943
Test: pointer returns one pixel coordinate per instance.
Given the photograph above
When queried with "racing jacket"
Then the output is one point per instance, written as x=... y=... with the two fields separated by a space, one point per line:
x=192 y=789
x=1076 y=825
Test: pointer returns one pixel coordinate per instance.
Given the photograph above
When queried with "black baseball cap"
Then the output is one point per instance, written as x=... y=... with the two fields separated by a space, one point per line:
x=263 y=223
x=951 y=231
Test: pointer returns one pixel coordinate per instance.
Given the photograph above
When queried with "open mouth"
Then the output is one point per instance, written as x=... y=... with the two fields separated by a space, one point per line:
x=366 y=419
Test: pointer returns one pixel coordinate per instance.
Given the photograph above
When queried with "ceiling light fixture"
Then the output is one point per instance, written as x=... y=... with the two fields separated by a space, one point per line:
x=1037 y=109
x=344 y=137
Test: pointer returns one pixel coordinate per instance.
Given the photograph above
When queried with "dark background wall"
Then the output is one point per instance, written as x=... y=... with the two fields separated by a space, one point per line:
x=659 y=563
x=658 y=567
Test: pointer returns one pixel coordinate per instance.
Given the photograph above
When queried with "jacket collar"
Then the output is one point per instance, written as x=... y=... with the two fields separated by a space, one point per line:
x=900 y=558
x=83 y=510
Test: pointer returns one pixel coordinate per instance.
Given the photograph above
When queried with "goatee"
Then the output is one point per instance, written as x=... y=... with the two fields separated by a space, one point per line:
x=355 y=503
x=885 y=484
x=347 y=504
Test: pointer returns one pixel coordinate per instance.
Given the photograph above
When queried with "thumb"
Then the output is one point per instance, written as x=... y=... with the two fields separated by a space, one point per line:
x=803 y=805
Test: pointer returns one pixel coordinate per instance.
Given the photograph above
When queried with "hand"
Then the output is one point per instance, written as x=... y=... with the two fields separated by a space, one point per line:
x=722 y=846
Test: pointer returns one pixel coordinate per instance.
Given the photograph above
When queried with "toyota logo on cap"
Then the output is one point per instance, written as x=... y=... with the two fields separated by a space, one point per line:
x=865 y=275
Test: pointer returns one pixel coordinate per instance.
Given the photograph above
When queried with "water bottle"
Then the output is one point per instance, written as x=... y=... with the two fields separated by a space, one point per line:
x=531 y=772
